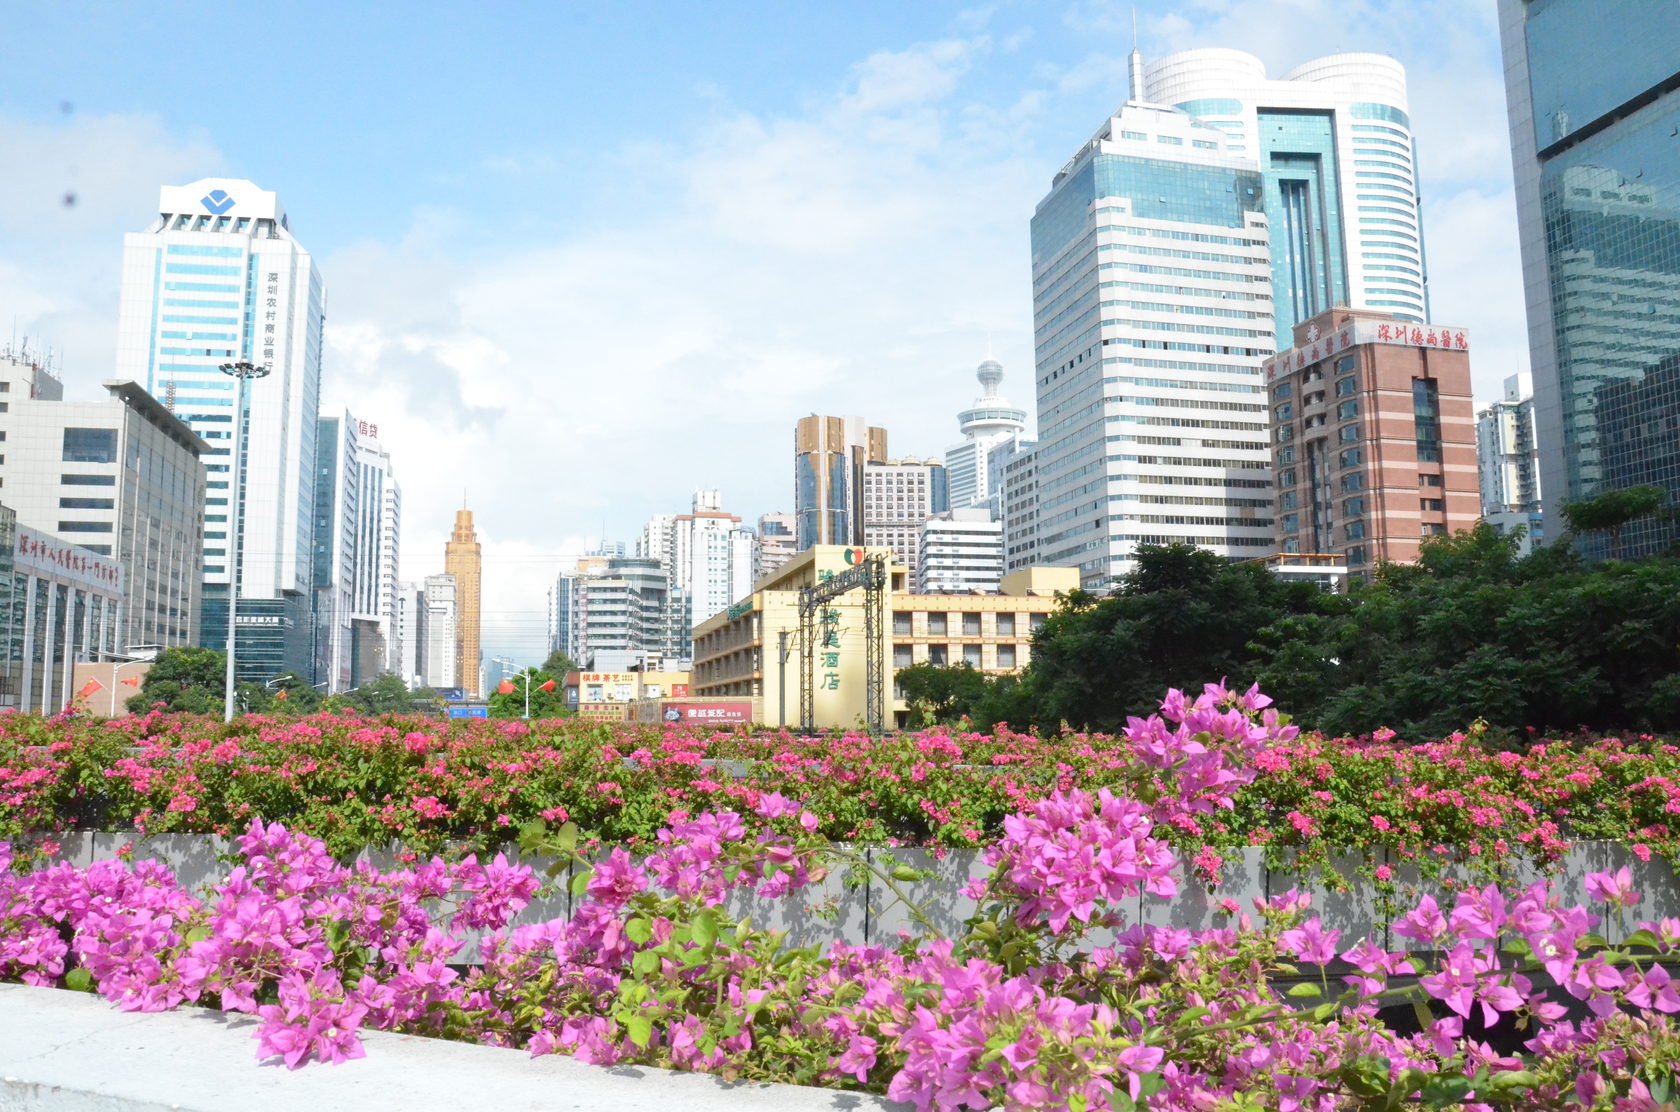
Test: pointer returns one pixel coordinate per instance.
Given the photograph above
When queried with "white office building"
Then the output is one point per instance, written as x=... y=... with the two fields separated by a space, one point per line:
x=408 y=634
x=899 y=495
x=990 y=422
x=439 y=633
x=1152 y=312
x=708 y=555
x=120 y=478
x=1508 y=457
x=778 y=542
x=218 y=278
x=961 y=552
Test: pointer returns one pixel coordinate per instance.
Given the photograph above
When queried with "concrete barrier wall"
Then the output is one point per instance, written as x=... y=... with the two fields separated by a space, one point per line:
x=869 y=913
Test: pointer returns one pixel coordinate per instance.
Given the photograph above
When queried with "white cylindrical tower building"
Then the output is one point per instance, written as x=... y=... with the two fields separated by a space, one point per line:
x=990 y=421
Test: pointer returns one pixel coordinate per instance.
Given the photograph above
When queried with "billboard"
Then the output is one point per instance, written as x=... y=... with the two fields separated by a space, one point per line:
x=708 y=714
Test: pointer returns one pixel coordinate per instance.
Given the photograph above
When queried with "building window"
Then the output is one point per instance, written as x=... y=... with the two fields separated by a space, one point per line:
x=1289 y=500
x=903 y=656
x=936 y=625
x=84 y=527
x=90 y=445
x=1437 y=505
x=1347 y=434
x=87 y=504
x=1006 y=625
x=1346 y=386
x=1343 y=366
x=1282 y=390
x=971 y=655
x=1035 y=622
x=901 y=622
x=1429 y=480
x=1355 y=530
x=1284 y=412
x=88 y=480
x=937 y=655
x=1286 y=478
x=1353 y=507
x=1348 y=410
x=1352 y=481
x=1290 y=523
x=1356 y=556
x=971 y=625
x=1351 y=457
x=1285 y=455
x=1006 y=656
x=1434 y=529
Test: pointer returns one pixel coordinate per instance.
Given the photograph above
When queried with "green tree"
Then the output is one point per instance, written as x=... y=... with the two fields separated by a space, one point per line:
x=1183 y=617
x=937 y=693
x=184 y=679
x=558 y=664
x=384 y=694
x=544 y=704
x=293 y=694
x=1611 y=512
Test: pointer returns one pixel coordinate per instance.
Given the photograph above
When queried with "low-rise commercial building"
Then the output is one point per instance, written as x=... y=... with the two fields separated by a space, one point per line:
x=614 y=696
x=752 y=650
x=59 y=604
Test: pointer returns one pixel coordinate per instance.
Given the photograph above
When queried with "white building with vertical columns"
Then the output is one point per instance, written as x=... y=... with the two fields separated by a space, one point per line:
x=217 y=277
x=61 y=605
x=439 y=622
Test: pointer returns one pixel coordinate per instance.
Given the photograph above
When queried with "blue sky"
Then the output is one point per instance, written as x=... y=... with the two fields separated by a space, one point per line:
x=582 y=258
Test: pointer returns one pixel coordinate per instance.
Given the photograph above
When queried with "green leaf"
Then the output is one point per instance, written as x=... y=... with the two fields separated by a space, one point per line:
x=1305 y=988
x=566 y=838
x=1506 y=1080
x=580 y=884
x=905 y=872
x=706 y=927
x=1444 y=1089
x=1076 y=1102
x=1642 y=938
x=79 y=980
x=639 y=1028
x=638 y=930
x=645 y=962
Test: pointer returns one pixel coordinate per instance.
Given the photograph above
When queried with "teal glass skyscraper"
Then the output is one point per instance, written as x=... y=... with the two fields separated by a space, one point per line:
x=1593 y=88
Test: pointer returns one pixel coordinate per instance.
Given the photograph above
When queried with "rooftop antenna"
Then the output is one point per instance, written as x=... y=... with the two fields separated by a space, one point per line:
x=1134 y=66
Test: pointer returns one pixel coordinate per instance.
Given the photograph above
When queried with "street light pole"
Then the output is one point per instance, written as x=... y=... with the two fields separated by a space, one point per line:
x=241 y=371
x=781 y=677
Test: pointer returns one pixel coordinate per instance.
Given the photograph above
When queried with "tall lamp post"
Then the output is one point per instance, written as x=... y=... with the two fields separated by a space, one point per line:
x=241 y=371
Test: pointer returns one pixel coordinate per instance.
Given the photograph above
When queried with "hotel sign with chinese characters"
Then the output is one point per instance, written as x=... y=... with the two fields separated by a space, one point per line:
x=1355 y=333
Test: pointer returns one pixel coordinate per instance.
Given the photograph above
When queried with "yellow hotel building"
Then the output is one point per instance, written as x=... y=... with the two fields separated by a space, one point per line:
x=751 y=650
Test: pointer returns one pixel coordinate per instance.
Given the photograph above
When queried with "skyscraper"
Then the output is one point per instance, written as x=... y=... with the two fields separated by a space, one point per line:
x=1152 y=310
x=990 y=422
x=463 y=560
x=1508 y=457
x=899 y=495
x=441 y=666
x=1333 y=145
x=218 y=278
x=709 y=557
x=828 y=458
x=358 y=521
x=777 y=543
x=1593 y=90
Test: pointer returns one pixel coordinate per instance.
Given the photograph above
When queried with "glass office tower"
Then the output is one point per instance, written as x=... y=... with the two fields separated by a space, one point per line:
x=1593 y=88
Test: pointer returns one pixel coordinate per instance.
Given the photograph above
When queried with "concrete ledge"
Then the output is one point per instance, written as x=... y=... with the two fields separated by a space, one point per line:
x=74 y=1052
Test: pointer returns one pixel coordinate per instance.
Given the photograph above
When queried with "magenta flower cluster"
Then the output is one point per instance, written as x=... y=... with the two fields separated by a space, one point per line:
x=1051 y=999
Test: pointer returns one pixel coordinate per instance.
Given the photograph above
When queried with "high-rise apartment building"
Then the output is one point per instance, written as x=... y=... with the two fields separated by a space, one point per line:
x=709 y=557
x=828 y=458
x=1375 y=435
x=1152 y=311
x=463 y=559
x=1593 y=88
x=358 y=522
x=961 y=552
x=441 y=668
x=898 y=496
x=1333 y=145
x=121 y=478
x=1019 y=503
x=778 y=542
x=990 y=422
x=219 y=278
x=1508 y=456
x=624 y=606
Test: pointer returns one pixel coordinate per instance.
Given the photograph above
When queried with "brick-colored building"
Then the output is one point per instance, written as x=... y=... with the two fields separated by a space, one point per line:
x=1373 y=437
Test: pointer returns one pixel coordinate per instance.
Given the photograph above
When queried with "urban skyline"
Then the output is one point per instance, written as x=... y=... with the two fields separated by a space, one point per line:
x=915 y=75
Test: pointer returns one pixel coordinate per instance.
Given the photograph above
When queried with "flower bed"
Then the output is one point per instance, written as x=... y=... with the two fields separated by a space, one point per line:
x=355 y=782
x=1029 y=1007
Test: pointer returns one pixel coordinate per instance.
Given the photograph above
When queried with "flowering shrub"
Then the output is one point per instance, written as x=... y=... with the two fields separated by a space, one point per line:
x=470 y=786
x=1049 y=1000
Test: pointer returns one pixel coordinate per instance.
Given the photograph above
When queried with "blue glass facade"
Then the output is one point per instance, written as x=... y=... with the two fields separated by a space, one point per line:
x=1158 y=189
x=1605 y=109
x=1303 y=207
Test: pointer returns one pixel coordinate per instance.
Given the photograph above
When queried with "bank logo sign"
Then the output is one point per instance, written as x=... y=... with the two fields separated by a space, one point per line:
x=217 y=201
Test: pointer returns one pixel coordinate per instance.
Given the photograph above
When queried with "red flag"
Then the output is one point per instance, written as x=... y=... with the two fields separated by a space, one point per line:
x=546 y=686
x=132 y=681
x=89 y=688
x=281 y=694
x=505 y=687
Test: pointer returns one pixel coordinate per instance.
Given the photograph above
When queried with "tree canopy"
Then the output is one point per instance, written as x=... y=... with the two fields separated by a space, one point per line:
x=544 y=704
